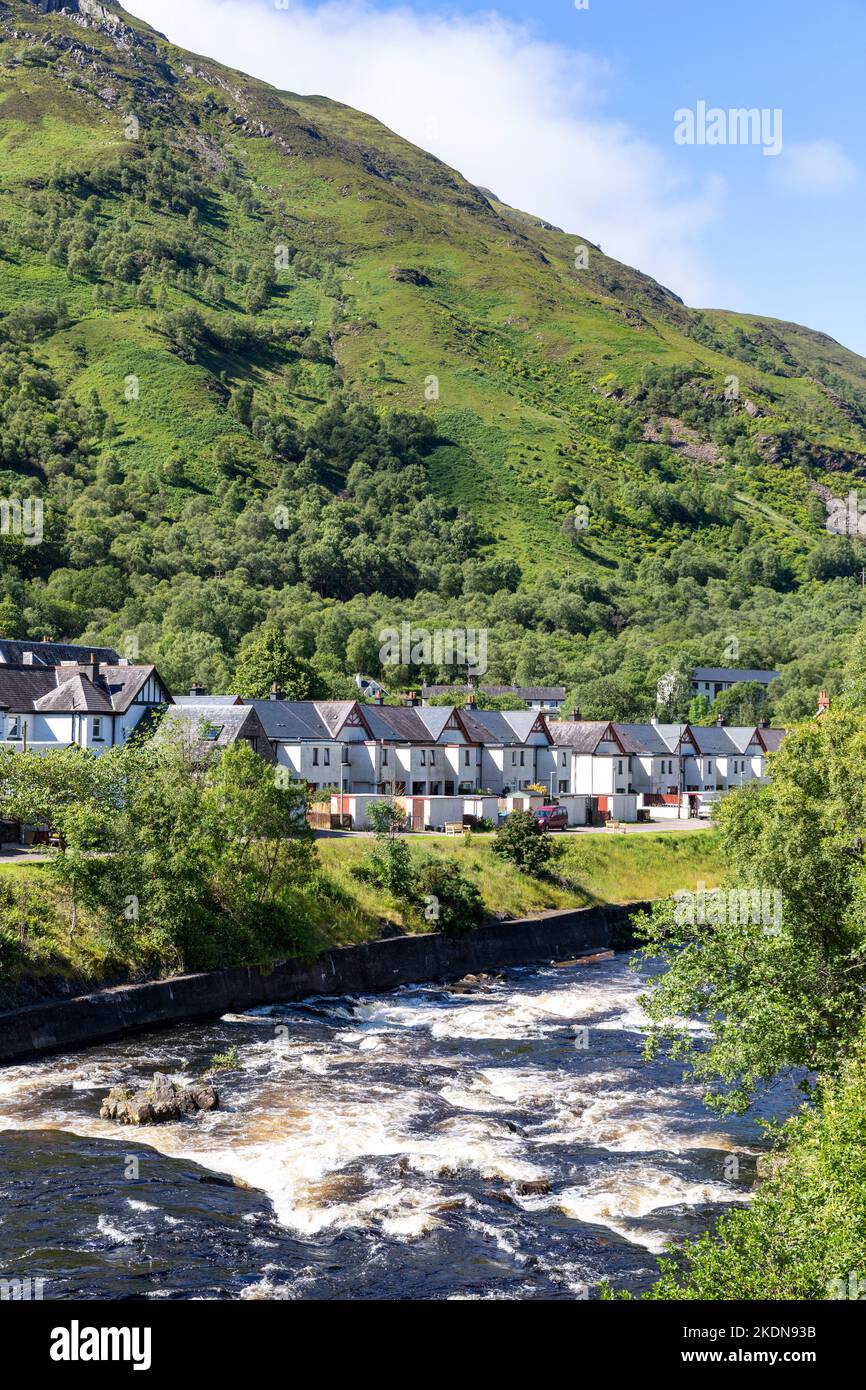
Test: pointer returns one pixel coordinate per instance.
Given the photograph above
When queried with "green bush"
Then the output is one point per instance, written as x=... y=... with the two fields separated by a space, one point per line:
x=523 y=841
x=452 y=904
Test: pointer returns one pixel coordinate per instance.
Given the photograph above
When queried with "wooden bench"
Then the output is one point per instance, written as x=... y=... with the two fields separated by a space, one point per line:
x=454 y=827
x=619 y=825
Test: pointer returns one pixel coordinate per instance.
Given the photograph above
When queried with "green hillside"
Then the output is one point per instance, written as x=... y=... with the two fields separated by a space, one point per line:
x=266 y=362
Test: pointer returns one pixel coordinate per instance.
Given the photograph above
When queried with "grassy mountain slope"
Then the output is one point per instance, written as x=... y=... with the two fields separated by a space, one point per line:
x=190 y=254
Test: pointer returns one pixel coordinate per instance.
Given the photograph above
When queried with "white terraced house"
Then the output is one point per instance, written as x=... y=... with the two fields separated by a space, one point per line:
x=438 y=758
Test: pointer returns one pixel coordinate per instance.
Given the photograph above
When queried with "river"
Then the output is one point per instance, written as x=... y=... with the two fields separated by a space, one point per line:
x=502 y=1142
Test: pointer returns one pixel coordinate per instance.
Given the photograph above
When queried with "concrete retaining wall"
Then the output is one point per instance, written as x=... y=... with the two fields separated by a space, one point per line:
x=366 y=969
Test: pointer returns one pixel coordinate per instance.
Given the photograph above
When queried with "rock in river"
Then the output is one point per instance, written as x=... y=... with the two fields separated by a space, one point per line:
x=162 y=1100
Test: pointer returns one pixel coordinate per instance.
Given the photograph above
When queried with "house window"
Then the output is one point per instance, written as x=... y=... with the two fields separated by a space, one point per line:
x=423 y=758
x=315 y=757
x=563 y=786
x=709 y=766
x=97 y=730
x=513 y=759
x=563 y=759
x=522 y=759
x=619 y=766
x=466 y=758
x=15 y=727
x=327 y=757
x=432 y=755
x=384 y=757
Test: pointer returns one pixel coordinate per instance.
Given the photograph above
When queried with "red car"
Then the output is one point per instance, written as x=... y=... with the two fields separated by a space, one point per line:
x=552 y=817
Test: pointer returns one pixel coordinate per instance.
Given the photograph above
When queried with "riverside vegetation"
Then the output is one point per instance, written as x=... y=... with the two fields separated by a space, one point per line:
x=787 y=999
x=268 y=365
x=166 y=861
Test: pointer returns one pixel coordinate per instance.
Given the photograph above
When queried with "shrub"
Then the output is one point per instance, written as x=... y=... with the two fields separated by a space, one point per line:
x=452 y=904
x=523 y=842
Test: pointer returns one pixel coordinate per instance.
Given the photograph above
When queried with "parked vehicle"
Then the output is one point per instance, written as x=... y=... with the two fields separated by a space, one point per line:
x=552 y=817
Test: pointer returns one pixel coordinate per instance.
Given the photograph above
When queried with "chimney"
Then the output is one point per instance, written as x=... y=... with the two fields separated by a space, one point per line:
x=276 y=693
x=378 y=697
x=576 y=716
x=47 y=639
x=823 y=702
x=762 y=724
x=411 y=698
x=197 y=690
x=721 y=722
x=654 y=721
x=470 y=700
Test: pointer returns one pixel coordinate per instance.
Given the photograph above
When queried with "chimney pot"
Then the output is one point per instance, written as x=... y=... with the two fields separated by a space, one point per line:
x=276 y=693
x=576 y=716
x=196 y=690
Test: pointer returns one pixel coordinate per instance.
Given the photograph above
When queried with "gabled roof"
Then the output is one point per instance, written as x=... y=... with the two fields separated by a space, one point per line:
x=741 y=735
x=77 y=692
x=582 y=735
x=441 y=720
x=67 y=689
x=716 y=739
x=510 y=728
x=642 y=738
x=338 y=713
x=671 y=735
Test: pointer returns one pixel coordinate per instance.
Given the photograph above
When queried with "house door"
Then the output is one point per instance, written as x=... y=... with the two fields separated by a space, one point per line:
x=418 y=813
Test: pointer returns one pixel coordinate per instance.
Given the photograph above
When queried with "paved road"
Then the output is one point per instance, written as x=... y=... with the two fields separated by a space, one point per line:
x=638 y=828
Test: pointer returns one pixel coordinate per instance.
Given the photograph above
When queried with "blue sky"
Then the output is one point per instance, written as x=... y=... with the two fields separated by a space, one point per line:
x=569 y=113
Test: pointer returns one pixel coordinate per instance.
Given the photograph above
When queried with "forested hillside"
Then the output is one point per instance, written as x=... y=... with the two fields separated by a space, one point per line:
x=266 y=363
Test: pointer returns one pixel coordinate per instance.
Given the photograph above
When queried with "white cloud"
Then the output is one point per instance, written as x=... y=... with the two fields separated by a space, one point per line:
x=512 y=113
x=817 y=166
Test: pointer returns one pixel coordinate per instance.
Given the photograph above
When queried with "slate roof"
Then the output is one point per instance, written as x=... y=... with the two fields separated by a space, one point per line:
x=670 y=734
x=49 y=654
x=719 y=740
x=398 y=722
x=509 y=729
x=523 y=692
x=231 y=722
x=772 y=738
x=642 y=738
x=27 y=689
x=287 y=721
x=582 y=735
x=732 y=673
x=211 y=700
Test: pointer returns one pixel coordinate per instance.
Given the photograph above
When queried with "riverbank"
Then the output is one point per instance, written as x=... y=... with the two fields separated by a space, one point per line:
x=369 y=968
x=41 y=957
